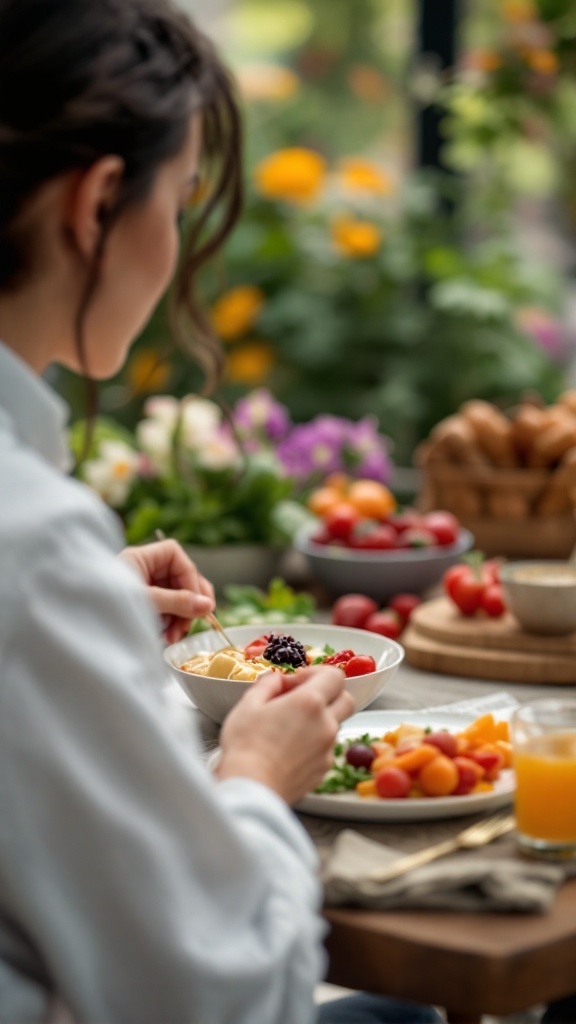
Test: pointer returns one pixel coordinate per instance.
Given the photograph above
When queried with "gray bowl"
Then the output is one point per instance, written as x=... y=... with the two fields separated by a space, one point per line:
x=541 y=595
x=380 y=574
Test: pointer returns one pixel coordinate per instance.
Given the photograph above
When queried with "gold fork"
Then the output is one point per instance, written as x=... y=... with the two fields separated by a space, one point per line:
x=479 y=834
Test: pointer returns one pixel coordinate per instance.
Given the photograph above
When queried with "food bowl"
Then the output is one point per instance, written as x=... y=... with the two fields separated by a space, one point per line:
x=216 y=697
x=541 y=595
x=379 y=574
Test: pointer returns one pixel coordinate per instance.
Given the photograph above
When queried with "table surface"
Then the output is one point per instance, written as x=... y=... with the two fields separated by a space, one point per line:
x=468 y=963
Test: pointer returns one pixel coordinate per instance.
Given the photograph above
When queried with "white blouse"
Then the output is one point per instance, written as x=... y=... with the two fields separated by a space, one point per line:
x=132 y=885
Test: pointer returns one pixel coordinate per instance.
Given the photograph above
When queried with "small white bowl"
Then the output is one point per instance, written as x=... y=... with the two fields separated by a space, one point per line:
x=215 y=697
x=541 y=595
x=380 y=574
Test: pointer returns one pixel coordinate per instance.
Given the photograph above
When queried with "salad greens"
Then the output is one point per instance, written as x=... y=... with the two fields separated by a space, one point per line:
x=342 y=776
x=247 y=606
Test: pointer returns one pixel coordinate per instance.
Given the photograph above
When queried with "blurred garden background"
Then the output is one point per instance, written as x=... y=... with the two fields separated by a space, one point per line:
x=408 y=240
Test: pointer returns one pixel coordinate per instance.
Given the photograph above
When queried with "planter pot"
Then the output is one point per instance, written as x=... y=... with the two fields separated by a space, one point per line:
x=254 y=564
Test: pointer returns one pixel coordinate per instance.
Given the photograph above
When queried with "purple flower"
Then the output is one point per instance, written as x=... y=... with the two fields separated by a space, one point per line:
x=259 y=415
x=547 y=331
x=330 y=444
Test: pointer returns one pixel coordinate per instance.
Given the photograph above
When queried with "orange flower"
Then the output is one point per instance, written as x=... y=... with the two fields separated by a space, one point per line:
x=356 y=238
x=251 y=363
x=367 y=83
x=295 y=175
x=147 y=371
x=267 y=82
x=544 y=62
x=484 y=60
x=518 y=10
x=234 y=313
x=363 y=175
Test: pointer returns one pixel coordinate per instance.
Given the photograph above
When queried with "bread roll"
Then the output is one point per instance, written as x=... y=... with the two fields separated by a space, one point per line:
x=493 y=432
x=458 y=439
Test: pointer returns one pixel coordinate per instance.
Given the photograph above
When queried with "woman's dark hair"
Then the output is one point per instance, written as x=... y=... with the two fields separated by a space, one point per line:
x=81 y=79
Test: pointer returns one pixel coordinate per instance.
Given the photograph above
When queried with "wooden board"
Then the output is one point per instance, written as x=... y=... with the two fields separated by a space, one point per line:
x=439 y=639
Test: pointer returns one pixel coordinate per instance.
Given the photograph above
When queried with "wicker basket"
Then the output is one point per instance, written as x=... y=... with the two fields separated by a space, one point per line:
x=499 y=507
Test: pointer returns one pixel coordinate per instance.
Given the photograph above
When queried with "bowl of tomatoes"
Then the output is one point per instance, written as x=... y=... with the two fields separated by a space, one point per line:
x=401 y=550
x=368 y=661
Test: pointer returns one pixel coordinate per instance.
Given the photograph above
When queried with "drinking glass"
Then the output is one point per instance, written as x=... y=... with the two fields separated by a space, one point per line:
x=544 y=747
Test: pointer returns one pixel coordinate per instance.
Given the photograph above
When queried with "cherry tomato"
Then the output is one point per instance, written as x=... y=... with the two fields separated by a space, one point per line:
x=493 y=601
x=256 y=648
x=443 y=525
x=380 y=538
x=407 y=519
x=451 y=575
x=340 y=658
x=321 y=537
x=359 y=665
x=386 y=623
x=404 y=605
x=490 y=760
x=353 y=610
x=340 y=520
x=468 y=775
x=467 y=593
x=393 y=783
x=445 y=741
x=418 y=537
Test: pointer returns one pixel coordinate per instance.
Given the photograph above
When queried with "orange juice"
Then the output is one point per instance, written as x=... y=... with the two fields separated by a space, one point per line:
x=546 y=787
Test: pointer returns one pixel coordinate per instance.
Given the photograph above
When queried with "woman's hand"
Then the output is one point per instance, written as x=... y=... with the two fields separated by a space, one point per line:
x=179 y=592
x=283 y=730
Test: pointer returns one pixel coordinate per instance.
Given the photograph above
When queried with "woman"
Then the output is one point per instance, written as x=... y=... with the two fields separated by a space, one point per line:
x=133 y=885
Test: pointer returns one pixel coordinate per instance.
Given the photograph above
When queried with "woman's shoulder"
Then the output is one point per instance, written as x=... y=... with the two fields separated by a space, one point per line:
x=39 y=501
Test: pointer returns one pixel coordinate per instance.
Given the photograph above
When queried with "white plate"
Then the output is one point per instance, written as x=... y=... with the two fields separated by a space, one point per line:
x=351 y=807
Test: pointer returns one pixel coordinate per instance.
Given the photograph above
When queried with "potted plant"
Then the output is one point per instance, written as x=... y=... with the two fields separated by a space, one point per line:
x=230 y=486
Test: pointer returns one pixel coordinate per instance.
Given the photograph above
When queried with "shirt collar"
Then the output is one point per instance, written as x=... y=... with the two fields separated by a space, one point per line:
x=39 y=416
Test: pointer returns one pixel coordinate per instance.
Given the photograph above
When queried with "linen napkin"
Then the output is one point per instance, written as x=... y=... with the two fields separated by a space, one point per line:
x=462 y=882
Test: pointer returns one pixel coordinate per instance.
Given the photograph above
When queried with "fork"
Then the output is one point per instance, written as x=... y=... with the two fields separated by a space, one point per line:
x=479 y=834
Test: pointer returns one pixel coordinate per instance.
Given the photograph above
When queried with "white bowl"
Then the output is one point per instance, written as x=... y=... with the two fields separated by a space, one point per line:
x=541 y=595
x=380 y=574
x=215 y=697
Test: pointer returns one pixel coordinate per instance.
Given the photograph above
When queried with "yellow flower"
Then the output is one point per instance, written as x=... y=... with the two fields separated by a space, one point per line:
x=251 y=363
x=267 y=82
x=234 y=313
x=356 y=238
x=518 y=10
x=363 y=175
x=544 y=62
x=295 y=175
x=147 y=371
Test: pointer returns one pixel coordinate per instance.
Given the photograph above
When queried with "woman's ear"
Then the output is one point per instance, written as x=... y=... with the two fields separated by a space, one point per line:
x=92 y=194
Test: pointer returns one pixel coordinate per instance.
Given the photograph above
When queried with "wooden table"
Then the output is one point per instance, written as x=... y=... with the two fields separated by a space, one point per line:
x=468 y=963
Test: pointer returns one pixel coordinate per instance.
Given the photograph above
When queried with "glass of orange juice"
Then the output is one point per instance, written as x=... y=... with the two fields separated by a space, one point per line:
x=544 y=751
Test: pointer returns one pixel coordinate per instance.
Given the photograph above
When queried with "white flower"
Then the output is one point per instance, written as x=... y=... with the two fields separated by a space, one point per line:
x=164 y=408
x=111 y=475
x=156 y=437
x=218 y=452
x=200 y=422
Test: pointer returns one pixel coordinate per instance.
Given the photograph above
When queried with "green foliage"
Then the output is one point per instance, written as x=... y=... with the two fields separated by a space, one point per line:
x=245 y=605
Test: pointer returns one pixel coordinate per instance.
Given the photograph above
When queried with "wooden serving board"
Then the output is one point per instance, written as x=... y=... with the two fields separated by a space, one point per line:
x=440 y=639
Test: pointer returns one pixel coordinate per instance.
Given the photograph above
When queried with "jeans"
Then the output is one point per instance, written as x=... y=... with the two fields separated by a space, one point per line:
x=367 y=1009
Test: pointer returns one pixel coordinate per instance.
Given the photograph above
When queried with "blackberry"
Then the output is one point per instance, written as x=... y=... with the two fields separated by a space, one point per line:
x=285 y=650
